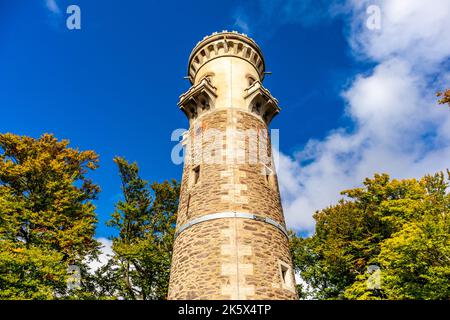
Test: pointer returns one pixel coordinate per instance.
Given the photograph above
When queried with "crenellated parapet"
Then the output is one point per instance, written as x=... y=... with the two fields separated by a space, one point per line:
x=225 y=44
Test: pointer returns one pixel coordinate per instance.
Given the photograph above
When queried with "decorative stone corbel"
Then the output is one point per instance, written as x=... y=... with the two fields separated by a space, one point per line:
x=261 y=102
x=198 y=99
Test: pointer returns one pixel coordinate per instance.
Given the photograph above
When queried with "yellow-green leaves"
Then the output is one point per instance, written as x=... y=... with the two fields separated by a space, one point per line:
x=444 y=97
x=400 y=228
x=30 y=272
x=47 y=219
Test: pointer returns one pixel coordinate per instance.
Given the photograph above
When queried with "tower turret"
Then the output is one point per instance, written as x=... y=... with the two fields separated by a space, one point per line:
x=231 y=241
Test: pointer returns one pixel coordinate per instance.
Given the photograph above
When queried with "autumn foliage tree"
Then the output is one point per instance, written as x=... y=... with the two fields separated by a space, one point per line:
x=398 y=228
x=444 y=97
x=47 y=218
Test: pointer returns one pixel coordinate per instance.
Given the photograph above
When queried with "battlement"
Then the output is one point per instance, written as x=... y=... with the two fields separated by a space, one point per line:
x=225 y=43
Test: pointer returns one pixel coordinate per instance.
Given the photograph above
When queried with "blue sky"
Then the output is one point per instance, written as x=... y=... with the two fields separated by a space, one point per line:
x=113 y=86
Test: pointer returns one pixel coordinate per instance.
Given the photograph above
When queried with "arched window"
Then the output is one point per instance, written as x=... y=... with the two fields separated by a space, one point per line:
x=250 y=80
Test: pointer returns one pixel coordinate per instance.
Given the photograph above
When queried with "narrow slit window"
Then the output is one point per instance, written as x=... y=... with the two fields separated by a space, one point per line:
x=287 y=280
x=269 y=176
x=187 y=206
x=196 y=174
x=284 y=271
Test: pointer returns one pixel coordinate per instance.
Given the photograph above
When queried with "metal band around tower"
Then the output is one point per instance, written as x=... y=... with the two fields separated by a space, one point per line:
x=231 y=214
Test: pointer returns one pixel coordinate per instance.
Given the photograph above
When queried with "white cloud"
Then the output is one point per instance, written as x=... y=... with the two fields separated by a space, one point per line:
x=398 y=129
x=52 y=6
x=240 y=21
x=106 y=254
x=415 y=30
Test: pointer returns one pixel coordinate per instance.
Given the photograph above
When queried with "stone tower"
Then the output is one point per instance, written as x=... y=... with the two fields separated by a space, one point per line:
x=231 y=241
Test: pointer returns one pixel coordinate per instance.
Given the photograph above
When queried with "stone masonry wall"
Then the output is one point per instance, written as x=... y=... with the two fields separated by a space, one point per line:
x=229 y=258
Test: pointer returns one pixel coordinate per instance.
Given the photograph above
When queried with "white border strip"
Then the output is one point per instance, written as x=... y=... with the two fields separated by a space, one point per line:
x=231 y=214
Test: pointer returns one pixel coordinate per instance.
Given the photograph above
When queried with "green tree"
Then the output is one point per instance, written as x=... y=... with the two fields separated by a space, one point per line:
x=401 y=227
x=47 y=219
x=145 y=220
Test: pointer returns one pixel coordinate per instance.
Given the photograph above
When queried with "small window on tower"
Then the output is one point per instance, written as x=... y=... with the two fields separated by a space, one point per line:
x=287 y=279
x=269 y=176
x=196 y=174
x=251 y=80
